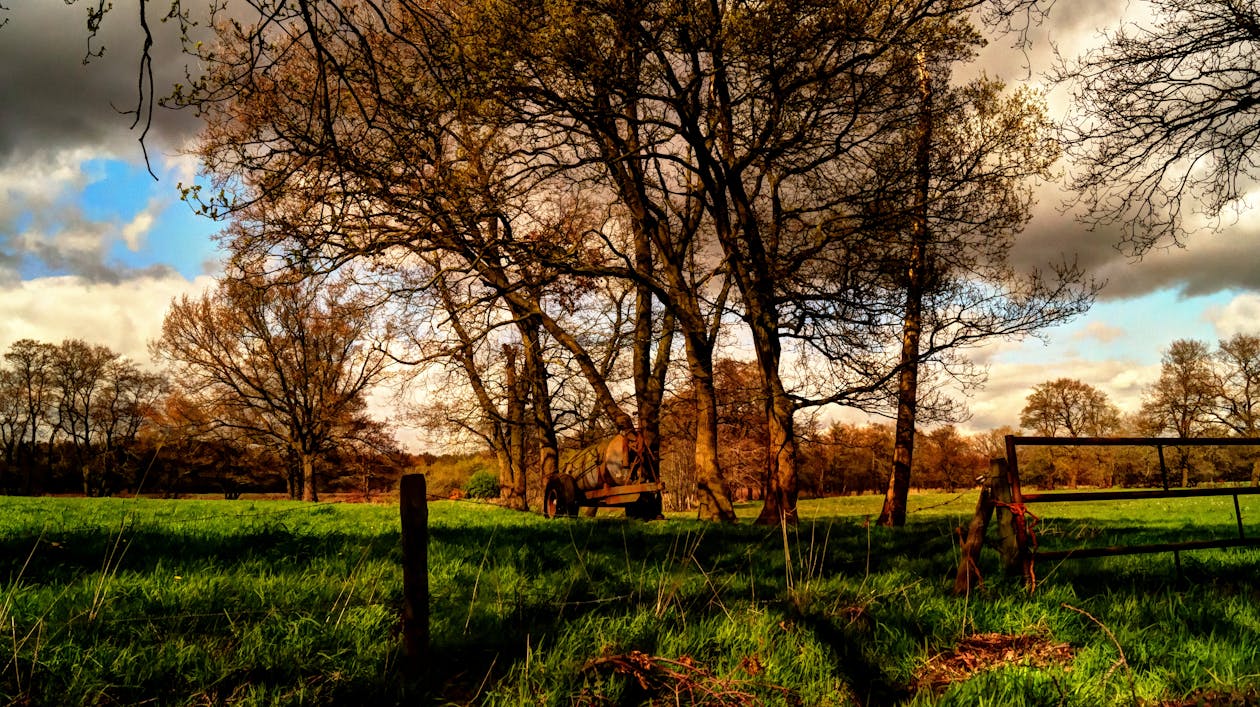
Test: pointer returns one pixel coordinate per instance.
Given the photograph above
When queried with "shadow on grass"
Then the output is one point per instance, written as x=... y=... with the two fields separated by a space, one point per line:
x=504 y=584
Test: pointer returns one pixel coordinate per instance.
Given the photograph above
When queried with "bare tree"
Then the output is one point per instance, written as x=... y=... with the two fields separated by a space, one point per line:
x=11 y=430
x=125 y=405
x=1236 y=364
x=977 y=153
x=1068 y=407
x=80 y=376
x=31 y=364
x=1168 y=118
x=1182 y=399
x=286 y=360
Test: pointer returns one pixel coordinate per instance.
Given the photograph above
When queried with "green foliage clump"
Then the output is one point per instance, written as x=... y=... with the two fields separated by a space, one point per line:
x=446 y=474
x=483 y=484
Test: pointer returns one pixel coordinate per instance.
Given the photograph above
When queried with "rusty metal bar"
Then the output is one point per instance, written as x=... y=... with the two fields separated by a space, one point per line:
x=1015 y=440
x=1129 y=495
x=1030 y=556
x=1116 y=550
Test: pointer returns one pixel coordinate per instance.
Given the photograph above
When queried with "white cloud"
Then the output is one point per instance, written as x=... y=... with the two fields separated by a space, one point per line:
x=135 y=232
x=1240 y=316
x=45 y=222
x=39 y=216
x=123 y=316
x=1010 y=384
x=1101 y=332
x=29 y=178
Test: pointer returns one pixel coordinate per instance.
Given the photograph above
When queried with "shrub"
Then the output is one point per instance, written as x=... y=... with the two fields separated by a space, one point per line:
x=448 y=474
x=483 y=484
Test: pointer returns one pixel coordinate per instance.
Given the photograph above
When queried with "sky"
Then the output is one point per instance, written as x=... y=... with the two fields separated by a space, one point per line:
x=93 y=247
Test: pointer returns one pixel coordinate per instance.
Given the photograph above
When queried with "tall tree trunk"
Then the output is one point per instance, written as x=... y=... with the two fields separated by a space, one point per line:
x=649 y=375
x=307 y=462
x=713 y=495
x=781 y=478
x=894 y=511
x=512 y=476
x=540 y=389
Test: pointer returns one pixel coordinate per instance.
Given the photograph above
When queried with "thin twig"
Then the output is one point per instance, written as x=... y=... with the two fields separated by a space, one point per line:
x=1123 y=661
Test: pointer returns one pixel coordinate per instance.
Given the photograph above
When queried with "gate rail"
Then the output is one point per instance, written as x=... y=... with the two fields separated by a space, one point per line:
x=1002 y=491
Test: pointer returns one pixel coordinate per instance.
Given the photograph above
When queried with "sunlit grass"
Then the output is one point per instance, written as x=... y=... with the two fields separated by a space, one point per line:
x=187 y=602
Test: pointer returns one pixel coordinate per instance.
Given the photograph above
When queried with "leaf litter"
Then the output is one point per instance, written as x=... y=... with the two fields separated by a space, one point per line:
x=986 y=651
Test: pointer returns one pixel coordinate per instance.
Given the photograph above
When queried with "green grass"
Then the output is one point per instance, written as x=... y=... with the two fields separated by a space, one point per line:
x=112 y=601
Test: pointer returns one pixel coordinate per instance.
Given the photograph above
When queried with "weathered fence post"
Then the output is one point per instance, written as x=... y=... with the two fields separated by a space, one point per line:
x=1010 y=539
x=1016 y=537
x=414 y=508
x=968 y=567
x=994 y=487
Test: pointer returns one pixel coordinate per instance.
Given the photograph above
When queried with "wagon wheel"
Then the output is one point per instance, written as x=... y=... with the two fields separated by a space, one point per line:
x=560 y=497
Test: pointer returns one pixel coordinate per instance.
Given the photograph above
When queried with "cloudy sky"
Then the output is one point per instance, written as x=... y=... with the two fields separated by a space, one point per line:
x=93 y=247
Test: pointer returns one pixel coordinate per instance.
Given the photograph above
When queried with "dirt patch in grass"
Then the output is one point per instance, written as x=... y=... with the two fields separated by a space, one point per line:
x=986 y=651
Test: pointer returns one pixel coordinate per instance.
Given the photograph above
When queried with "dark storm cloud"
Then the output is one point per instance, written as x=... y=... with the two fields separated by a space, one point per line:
x=1210 y=263
x=1211 y=260
x=57 y=111
x=50 y=100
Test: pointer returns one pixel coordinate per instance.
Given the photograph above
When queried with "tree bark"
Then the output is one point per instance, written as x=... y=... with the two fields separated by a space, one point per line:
x=307 y=461
x=649 y=375
x=512 y=475
x=894 y=511
x=781 y=478
x=714 y=497
x=540 y=387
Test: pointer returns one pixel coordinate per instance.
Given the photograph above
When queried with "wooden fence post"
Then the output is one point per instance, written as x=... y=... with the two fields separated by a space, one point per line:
x=1009 y=541
x=968 y=568
x=414 y=509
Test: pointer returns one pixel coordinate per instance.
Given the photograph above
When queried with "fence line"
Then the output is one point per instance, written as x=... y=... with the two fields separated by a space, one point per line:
x=1003 y=492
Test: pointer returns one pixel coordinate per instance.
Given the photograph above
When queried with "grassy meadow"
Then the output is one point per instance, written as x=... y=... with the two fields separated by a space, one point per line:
x=144 y=601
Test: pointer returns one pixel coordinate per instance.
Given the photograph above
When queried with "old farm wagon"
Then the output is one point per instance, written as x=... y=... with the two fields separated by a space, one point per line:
x=619 y=474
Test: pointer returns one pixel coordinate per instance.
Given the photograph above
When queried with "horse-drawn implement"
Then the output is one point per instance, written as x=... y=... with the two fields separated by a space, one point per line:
x=621 y=475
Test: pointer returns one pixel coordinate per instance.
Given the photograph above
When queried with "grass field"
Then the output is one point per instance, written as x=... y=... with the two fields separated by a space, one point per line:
x=113 y=601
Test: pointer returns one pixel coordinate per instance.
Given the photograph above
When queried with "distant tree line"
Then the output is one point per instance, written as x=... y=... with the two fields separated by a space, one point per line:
x=79 y=418
x=71 y=416
x=1200 y=392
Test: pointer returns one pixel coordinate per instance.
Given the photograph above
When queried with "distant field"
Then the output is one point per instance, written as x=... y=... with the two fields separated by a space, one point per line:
x=113 y=601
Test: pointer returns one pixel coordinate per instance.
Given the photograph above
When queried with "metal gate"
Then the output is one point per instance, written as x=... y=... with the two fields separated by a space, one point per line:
x=1003 y=490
